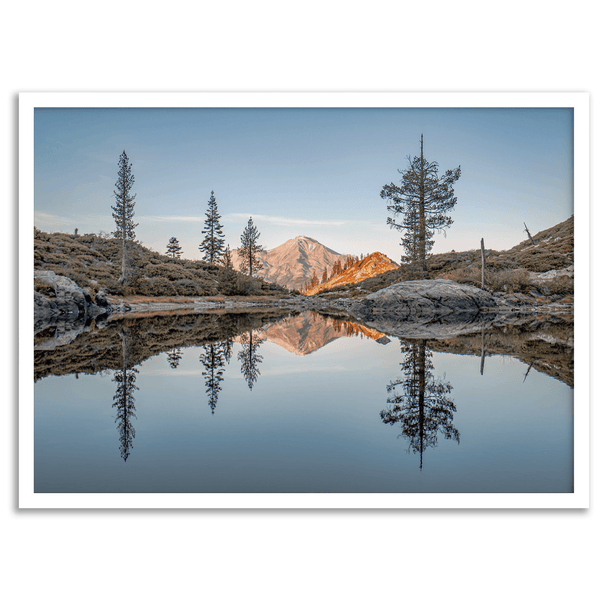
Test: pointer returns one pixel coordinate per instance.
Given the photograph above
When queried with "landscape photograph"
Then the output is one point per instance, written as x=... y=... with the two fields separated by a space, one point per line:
x=295 y=301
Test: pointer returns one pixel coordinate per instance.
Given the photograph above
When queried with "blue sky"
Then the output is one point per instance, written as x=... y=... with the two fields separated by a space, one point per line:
x=308 y=171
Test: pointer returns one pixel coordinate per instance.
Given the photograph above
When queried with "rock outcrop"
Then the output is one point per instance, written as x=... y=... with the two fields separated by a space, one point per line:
x=63 y=300
x=424 y=300
x=426 y=309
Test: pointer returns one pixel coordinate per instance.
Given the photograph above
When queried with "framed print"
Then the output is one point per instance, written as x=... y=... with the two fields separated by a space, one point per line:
x=311 y=300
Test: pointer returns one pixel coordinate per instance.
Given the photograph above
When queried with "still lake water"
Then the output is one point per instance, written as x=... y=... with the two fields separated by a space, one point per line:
x=305 y=404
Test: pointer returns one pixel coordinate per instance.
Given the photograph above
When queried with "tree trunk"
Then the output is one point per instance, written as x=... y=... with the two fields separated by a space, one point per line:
x=421 y=370
x=422 y=229
x=123 y=258
x=481 y=365
x=528 y=234
x=482 y=264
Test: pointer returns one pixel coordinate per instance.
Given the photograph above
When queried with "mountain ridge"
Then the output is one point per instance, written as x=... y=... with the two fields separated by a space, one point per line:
x=371 y=265
x=293 y=263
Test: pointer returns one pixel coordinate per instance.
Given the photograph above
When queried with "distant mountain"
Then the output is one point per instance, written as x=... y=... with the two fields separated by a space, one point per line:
x=293 y=263
x=370 y=266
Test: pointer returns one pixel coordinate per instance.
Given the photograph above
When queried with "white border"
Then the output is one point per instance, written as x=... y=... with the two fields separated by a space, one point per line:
x=579 y=101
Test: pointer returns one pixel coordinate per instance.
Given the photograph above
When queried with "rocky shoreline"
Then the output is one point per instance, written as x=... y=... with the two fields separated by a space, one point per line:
x=62 y=300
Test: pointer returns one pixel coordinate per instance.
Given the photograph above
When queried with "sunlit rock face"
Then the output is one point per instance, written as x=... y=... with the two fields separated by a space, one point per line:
x=373 y=264
x=446 y=302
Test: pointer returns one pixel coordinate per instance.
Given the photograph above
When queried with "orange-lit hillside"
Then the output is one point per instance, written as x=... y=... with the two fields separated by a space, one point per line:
x=373 y=264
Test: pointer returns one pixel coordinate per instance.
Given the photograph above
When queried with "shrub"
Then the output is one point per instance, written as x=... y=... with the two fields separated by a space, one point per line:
x=511 y=281
x=187 y=287
x=44 y=288
x=540 y=260
x=563 y=285
x=505 y=280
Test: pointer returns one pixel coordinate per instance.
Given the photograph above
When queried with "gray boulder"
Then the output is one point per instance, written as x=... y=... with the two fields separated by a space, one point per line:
x=426 y=309
x=68 y=296
x=424 y=300
x=448 y=326
x=64 y=301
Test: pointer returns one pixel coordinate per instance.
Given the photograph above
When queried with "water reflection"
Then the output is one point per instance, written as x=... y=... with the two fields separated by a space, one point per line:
x=296 y=447
x=249 y=357
x=124 y=401
x=173 y=357
x=213 y=360
x=423 y=405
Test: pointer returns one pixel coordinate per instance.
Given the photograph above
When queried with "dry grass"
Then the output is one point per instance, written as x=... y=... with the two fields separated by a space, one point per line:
x=158 y=299
x=95 y=262
x=506 y=280
x=506 y=270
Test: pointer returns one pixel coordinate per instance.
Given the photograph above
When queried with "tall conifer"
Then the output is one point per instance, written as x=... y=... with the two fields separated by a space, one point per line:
x=423 y=199
x=123 y=210
x=250 y=249
x=213 y=245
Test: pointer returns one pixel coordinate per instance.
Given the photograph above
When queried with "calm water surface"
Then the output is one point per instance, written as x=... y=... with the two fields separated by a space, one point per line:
x=306 y=404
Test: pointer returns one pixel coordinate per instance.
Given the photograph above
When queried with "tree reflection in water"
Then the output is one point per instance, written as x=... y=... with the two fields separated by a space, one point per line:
x=124 y=400
x=173 y=357
x=250 y=358
x=423 y=407
x=213 y=358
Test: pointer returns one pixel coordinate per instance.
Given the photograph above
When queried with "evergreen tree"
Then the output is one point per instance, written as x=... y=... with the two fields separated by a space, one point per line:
x=213 y=245
x=249 y=250
x=173 y=248
x=337 y=268
x=324 y=278
x=314 y=280
x=423 y=199
x=123 y=210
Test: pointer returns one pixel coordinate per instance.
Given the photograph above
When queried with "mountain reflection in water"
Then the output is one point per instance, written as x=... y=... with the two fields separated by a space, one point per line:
x=228 y=347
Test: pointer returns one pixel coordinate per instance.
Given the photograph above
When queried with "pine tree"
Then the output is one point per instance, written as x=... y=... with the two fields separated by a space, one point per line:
x=173 y=248
x=423 y=199
x=123 y=210
x=337 y=268
x=324 y=278
x=213 y=245
x=249 y=250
